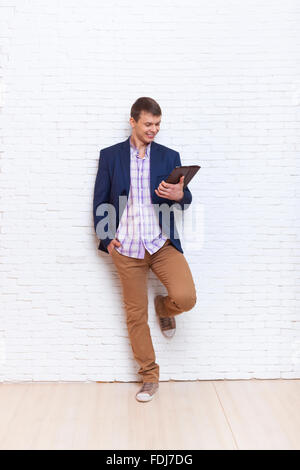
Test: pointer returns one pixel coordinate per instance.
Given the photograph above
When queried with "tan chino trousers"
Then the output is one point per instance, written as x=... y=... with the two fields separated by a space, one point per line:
x=172 y=269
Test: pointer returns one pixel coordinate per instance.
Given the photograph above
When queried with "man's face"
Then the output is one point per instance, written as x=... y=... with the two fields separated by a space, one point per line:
x=147 y=127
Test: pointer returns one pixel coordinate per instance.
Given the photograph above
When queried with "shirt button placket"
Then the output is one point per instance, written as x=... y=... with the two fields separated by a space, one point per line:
x=140 y=163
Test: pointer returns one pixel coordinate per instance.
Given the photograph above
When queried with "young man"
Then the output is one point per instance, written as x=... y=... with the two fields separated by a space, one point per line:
x=138 y=240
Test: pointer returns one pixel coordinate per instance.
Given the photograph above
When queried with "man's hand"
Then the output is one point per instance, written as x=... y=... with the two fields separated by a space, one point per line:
x=112 y=244
x=171 y=191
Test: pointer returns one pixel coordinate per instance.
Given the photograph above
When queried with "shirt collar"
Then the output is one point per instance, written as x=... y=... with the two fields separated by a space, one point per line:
x=136 y=152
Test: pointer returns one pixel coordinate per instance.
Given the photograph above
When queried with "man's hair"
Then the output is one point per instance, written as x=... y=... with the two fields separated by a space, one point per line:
x=144 y=104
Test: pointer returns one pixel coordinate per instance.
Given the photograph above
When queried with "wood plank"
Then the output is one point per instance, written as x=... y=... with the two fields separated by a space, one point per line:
x=263 y=414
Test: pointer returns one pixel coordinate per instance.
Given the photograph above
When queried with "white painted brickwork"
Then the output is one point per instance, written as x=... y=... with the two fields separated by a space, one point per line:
x=226 y=74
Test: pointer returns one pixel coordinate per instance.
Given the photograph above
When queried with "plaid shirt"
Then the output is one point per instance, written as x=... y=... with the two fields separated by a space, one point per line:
x=139 y=227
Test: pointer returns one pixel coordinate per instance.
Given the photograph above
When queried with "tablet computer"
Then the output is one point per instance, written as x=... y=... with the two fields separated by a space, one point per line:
x=188 y=171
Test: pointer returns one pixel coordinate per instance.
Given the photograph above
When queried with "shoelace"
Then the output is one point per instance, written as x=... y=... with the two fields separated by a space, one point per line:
x=147 y=386
x=166 y=321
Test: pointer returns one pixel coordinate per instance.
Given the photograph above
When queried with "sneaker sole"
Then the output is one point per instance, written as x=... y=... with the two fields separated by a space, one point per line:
x=144 y=397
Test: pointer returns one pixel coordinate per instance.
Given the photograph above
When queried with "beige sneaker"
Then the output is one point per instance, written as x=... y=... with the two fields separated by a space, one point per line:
x=167 y=324
x=147 y=391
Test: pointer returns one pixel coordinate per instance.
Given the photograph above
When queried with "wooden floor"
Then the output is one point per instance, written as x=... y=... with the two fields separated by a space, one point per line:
x=237 y=414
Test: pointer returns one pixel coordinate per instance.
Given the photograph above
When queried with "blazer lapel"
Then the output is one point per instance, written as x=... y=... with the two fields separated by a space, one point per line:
x=155 y=161
x=125 y=164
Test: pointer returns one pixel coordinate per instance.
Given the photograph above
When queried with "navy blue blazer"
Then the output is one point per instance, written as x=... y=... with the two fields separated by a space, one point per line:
x=113 y=180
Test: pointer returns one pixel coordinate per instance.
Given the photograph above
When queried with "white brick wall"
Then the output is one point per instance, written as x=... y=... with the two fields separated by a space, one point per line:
x=226 y=74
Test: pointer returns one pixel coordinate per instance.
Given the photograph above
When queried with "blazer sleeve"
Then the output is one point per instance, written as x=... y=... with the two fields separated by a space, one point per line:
x=101 y=191
x=187 y=195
